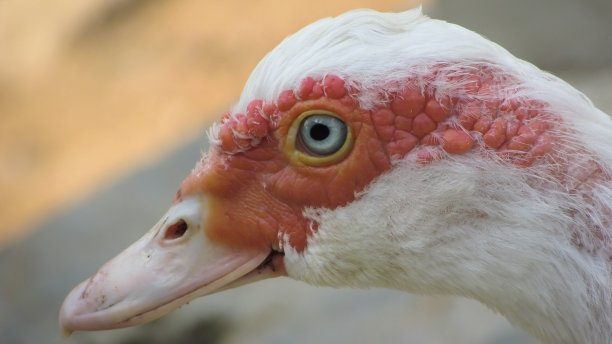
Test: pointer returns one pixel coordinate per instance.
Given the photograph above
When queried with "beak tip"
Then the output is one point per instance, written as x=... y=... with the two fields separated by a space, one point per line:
x=64 y=325
x=65 y=331
x=69 y=311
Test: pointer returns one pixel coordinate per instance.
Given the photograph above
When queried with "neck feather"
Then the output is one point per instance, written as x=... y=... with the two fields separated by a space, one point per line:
x=514 y=239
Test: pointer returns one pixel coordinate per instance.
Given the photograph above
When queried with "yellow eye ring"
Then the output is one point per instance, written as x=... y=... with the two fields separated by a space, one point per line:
x=299 y=154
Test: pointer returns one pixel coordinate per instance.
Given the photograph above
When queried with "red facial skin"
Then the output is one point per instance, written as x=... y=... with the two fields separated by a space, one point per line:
x=257 y=194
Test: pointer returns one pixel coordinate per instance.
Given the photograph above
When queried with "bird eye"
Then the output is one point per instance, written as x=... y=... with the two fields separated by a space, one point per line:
x=318 y=138
x=322 y=134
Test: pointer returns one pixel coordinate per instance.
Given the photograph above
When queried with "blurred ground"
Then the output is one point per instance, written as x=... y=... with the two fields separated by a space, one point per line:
x=103 y=107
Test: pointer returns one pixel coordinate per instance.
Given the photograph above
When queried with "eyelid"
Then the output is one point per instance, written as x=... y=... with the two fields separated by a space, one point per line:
x=301 y=157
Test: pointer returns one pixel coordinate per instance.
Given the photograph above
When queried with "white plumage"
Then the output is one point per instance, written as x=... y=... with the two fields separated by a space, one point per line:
x=467 y=225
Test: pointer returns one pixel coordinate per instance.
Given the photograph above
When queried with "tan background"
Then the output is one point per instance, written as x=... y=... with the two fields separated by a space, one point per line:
x=89 y=90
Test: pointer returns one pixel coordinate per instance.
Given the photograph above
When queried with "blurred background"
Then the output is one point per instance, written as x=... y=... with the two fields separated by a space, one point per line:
x=103 y=110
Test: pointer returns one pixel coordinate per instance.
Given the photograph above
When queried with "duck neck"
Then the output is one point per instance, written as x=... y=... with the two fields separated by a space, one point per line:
x=555 y=291
x=483 y=231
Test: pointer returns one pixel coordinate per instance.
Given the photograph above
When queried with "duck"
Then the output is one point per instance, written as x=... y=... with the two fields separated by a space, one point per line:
x=388 y=150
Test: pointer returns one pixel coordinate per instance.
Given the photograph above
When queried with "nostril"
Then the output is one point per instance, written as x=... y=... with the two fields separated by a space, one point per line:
x=176 y=230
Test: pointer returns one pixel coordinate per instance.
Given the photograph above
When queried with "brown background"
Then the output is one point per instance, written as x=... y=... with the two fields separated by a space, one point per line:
x=90 y=90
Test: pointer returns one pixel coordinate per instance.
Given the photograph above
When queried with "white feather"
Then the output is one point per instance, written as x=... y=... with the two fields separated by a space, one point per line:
x=532 y=243
x=469 y=226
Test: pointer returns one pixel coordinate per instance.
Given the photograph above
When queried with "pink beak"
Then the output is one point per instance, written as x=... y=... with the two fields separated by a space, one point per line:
x=170 y=265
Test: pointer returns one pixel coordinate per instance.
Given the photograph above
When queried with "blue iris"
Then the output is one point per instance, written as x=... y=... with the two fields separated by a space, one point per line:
x=323 y=134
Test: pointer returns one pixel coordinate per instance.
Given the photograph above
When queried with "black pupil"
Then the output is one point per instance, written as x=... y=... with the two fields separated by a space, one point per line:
x=319 y=132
